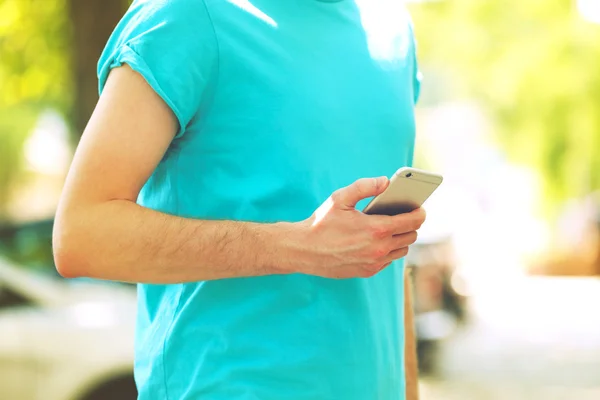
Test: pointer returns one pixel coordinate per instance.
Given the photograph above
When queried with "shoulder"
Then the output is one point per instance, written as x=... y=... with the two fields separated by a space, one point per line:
x=165 y=24
x=172 y=44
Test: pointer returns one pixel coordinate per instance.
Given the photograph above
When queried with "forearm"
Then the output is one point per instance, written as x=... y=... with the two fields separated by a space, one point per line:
x=410 y=343
x=120 y=240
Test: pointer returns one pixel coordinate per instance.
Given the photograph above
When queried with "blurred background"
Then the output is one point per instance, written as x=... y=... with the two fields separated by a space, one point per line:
x=507 y=268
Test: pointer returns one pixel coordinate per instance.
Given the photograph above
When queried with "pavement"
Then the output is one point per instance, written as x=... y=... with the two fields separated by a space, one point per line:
x=528 y=339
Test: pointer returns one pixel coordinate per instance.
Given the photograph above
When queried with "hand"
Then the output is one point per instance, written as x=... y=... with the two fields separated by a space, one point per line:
x=342 y=242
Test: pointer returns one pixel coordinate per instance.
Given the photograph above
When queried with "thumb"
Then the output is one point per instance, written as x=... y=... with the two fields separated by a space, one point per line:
x=348 y=196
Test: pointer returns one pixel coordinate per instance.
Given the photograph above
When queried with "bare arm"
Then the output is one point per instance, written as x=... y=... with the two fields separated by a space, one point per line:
x=410 y=343
x=101 y=232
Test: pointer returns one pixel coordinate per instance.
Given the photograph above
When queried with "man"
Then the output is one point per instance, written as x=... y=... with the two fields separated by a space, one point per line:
x=221 y=170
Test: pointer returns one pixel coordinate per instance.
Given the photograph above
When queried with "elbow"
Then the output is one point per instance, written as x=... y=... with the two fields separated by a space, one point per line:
x=67 y=251
x=65 y=265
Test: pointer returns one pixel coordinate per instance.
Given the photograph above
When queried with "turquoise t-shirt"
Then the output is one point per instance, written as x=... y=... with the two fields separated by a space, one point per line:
x=280 y=102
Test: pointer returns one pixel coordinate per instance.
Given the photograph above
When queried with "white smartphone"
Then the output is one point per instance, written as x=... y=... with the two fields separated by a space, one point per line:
x=407 y=191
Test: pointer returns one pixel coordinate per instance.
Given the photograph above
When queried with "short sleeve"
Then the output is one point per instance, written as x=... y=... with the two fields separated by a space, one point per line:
x=172 y=44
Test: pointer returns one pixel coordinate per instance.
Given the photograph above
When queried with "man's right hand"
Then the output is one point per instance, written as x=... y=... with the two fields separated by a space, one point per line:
x=338 y=241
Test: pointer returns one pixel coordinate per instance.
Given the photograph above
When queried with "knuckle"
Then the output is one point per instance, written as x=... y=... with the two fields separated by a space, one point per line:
x=379 y=231
x=370 y=270
x=380 y=252
x=371 y=267
x=366 y=273
x=336 y=196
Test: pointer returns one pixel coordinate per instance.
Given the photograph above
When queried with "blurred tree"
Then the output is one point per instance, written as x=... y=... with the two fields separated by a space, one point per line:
x=93 y=21
x=48 y=55
x=15 y=123
x=34 y=61
x=35 y=57
x=535 y=65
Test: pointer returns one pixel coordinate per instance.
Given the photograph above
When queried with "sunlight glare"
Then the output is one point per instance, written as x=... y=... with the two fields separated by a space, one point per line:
x=590 y=10
x=47 y=149
x=252 y=9
x=322 y=211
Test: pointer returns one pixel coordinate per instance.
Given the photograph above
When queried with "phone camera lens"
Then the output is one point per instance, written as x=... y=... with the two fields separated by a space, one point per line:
x=409 y=174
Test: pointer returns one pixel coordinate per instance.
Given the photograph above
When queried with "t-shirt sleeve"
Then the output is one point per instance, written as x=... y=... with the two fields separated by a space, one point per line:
x=172 y=44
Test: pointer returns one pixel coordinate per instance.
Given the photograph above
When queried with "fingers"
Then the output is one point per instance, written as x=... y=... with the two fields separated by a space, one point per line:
x=403 y=240
x=397 y=254
x=383 y=226
x=397 y=246
x=371 y=271
x=374 y=268
x=367 y=271
x=408 y=222
x=392 y=249
x=348 y=196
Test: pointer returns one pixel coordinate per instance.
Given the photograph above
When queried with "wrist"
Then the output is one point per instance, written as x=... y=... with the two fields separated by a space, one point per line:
x=282 y=244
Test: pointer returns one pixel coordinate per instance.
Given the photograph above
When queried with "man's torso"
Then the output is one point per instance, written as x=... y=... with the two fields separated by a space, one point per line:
x=307 y=97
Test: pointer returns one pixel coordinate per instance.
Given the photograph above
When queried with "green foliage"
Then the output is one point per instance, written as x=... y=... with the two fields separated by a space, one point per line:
x=34 y=58
x=34 y=74
x=28 y=245
x=15 y=123
x=535 y=64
